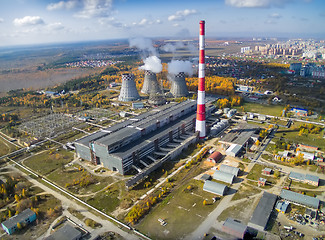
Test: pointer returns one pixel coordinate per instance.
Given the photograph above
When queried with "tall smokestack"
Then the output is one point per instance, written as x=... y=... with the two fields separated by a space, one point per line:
x=200 y=113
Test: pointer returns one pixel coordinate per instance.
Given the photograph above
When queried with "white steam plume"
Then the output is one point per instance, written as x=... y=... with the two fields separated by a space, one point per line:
x=153 y=64
x=177 y=66
x=143 y=44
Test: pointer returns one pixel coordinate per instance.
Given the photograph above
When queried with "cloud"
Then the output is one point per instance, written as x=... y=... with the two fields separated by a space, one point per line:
x=28 y=21
x=146 y=22
x=61 y=5
x=270 y=21
x=55 y=26
x=180 y=15
x=275 y=15
x=1 y=20
x=112 y=22
x=95 y=8
x=85 y=8
x=256 y=3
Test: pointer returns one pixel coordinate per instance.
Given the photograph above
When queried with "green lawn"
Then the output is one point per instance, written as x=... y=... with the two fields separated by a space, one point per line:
x=274 y=110
x=6 y=147
x=183 y=211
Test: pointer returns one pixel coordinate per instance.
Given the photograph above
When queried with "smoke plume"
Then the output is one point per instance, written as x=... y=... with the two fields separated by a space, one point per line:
x=143 y=44
x=153 y=64
x=177 y=66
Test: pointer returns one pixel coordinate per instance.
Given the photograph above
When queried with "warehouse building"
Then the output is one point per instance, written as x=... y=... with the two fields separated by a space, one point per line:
x=215 y=157
x=223 y=177
x=233 y=150
x=234 y=228
x=67 y=232
x=229 y=169
x=300 y=199
x=142 y=141
x=308 y=179
x=215 y=188
x=263 y=211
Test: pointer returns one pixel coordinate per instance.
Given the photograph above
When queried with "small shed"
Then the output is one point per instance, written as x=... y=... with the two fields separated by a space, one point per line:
x=261 y=182
x=229 y=169
x=234 y=228
x=223 y=177
x=215 y=157
x=267 y=171
x=282 y=206
x=215 y=188
x=205 y=177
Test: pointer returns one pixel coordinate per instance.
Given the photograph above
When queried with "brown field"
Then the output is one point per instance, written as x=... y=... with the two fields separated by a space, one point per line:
x=35 y=79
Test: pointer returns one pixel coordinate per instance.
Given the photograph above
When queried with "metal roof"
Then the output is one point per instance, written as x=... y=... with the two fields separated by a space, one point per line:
x=240 y=135
x=297 y=176
x=214 y=187
x=300 y=198
x=229 y=169
x=21 y=217
x=235 y=226
x=223 y=176
x=234 y=148
x=115 y=137
x=312 y=178
x=67 y=232
x=263 y=210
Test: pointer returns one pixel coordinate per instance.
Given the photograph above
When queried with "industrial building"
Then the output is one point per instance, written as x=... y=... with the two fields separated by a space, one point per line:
x=229 y=169
x=234 y=228
x=308 y=179
x=215 y=188
x=300 y=199
x=233 y=150
x=223 y=177
x=263 y=211
x=239 y=135
x=67 y=232
x=24 y=218
x=142 y=141
x=215 y=157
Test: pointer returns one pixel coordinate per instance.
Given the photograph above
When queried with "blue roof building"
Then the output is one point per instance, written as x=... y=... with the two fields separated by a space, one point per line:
x=25 y=217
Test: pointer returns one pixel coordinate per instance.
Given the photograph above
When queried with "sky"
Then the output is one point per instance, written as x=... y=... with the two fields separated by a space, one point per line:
x=50 y=21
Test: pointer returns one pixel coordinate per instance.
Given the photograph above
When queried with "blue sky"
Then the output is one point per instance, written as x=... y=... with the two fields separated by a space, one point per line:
x=49 y=21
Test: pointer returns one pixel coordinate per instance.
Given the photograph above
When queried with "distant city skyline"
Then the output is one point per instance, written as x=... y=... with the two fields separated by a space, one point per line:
x=51 y=21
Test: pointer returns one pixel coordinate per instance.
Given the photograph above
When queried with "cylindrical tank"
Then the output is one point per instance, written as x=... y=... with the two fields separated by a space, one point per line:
x=128 y=91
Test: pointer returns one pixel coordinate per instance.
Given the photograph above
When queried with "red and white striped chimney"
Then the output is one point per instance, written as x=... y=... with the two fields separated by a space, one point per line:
x=200 y=113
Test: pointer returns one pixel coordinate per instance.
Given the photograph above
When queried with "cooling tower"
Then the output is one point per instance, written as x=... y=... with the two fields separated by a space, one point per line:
x=128 y=91
x=156 y=94
x=150 y=83
x=178 y=88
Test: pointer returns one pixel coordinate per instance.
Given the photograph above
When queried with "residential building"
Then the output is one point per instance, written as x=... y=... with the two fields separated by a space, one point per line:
x=24 y=218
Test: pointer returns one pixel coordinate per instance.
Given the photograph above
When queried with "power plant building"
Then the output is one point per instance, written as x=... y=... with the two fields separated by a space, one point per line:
x=140 y=141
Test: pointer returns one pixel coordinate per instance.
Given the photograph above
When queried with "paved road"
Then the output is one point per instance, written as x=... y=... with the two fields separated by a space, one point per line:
x=106 y=225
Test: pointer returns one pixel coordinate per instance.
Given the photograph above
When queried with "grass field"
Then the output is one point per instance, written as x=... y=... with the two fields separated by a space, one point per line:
x=6 y=147
x=45 y=163
x=182 y=210
x=245 y=191
x=274 y=110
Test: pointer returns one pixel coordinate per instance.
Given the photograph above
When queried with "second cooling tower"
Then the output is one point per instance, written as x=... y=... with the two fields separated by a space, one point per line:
x=178 y=85
x=150 y=84
x=128 y=91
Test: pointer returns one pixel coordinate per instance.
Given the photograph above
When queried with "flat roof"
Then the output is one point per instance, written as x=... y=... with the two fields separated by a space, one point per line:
x=312 y=178
x=67 y=232
x=11 y=222
x=234 y=148
x=145 y=140
x=115 y=137
x=263 y=210
x=239 y=135
x=298 y=176
x=300 y=198
x=235 y=225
